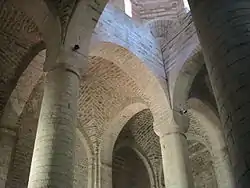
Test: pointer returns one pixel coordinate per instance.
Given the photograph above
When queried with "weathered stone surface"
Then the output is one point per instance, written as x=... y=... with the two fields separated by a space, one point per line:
x=149 y=10
x=224 y=35
x=130 y=65
x=64 y=9
x=202 y=168
x=19 y=38
x=115 y=27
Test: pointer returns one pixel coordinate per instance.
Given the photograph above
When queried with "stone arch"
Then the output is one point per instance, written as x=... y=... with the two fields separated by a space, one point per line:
x=83 y=163
x=24 y=87
x=80 y=29
x=202 y=164
x=128 y=170
x=14 y=73
x=150 y=86
x=183 y=86
x=104 y=90
x=138 y=132
x=26 y=38
x=148 y=167
x=205 y=127
x=48 y=23
x=162 y=28
x=116 y=125
x=208 y=123
x=26 y=127
x=109 y=138
x=84 y=138
x=142 y=156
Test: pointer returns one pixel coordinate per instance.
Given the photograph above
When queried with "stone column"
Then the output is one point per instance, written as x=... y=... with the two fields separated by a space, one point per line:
x=175 y=159
x=7 y=144
x=106 y=175
x=222 y=168
x=224 y=32
x=53 y=155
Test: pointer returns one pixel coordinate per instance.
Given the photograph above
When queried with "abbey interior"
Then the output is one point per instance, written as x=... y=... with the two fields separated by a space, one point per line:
x=124 y=94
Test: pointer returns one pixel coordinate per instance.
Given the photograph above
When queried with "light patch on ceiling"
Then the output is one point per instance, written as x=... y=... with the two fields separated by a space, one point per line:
x=128 y=7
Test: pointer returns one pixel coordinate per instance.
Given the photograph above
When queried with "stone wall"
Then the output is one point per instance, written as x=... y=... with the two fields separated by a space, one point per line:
x=116 y=27
x=180 y=44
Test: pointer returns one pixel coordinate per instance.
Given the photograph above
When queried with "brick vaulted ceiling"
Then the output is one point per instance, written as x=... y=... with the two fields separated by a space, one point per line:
x=21 y=40
x=155 y=9
x=18 y=36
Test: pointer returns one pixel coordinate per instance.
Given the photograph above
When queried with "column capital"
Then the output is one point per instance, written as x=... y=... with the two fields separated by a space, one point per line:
x=177 y=172
x=165 y=129
x=67 y=67
x=71 y=59
x=180 y=133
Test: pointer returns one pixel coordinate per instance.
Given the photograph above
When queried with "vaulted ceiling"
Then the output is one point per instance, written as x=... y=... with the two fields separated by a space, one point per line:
x=157 y=9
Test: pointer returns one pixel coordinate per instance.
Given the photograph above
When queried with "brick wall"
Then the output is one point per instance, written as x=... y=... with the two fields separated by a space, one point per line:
x=116 y=27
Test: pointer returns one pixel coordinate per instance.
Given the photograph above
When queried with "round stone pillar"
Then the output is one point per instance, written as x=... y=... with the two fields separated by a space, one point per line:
x=53 y=156
x=222 y=168
x=224 y=32
x=175 y=160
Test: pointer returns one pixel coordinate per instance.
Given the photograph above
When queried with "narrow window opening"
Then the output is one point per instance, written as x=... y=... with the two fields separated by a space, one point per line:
x=128 y=7
x=186 y=5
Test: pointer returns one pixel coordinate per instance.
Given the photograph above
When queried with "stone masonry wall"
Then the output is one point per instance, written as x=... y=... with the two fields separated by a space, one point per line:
x=224 y=33
x=116 y=27
x=180 y=44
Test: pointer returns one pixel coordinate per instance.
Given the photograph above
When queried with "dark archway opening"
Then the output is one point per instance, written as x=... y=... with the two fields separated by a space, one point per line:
x=129 y=170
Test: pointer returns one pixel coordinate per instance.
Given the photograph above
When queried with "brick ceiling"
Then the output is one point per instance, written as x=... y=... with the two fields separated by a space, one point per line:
x=152 y=9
